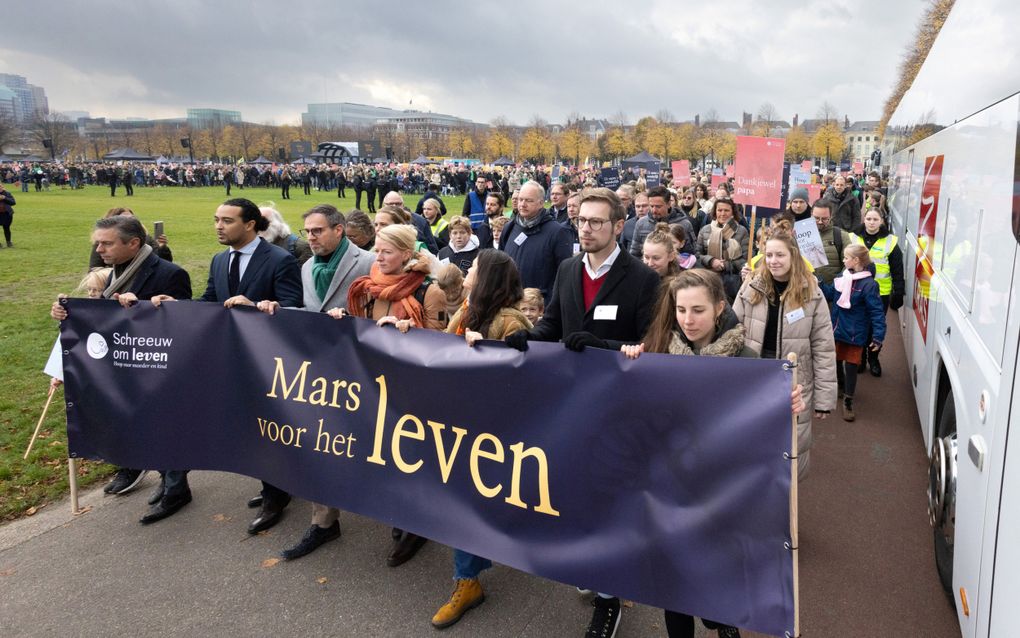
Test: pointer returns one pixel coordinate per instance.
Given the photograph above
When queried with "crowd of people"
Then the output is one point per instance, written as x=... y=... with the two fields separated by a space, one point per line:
x=639 y=269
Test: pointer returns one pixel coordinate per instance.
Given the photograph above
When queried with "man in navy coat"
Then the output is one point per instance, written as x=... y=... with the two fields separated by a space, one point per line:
x=249 y=271
x=138 y=273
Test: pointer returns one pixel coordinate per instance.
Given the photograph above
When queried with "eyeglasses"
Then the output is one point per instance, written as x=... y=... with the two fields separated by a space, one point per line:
x=313 y=232
x=593 y=222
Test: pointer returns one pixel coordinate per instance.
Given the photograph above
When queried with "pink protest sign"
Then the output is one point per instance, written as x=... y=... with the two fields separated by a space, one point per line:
x=806 y=166
x=759 y=171
x=681 y=172
x=814 y=192
x=858 y=168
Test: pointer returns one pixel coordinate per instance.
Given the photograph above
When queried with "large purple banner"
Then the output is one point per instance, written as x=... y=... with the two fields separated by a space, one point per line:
x=659 y=480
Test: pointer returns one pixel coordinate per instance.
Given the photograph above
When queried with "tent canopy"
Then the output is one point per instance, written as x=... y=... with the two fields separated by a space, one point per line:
x=422 y=160
x=260 y=160
x=127 y=154
x=643 y=157
x=503 y=161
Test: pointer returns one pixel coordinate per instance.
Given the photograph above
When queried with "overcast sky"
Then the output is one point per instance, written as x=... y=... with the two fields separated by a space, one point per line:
x=477 y=60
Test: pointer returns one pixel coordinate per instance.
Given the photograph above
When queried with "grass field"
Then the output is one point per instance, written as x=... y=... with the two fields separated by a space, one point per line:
x=51 y=249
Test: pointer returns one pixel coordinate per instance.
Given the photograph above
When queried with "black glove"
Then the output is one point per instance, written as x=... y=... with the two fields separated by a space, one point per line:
x=896 y=302
x=518 y=340
x=577 y=341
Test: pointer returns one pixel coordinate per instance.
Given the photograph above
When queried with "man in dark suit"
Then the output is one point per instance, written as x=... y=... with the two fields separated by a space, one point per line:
x=138 y=273
x=603 y=298
x=252 y=270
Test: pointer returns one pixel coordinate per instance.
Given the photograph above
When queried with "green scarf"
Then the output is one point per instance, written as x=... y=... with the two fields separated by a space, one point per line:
x=324 y=269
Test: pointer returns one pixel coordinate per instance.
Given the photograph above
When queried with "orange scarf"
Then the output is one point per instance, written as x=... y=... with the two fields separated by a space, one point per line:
x=392 y=288
x=462 y=316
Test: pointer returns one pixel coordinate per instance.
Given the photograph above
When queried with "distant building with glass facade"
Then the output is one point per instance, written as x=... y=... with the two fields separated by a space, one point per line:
x=30 y=101
x=212 y=118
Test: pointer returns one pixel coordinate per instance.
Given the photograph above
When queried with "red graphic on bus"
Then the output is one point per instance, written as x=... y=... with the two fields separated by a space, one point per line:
x=923 y=265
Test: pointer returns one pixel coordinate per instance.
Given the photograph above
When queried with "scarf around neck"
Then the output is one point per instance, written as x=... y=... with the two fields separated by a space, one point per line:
x=120 y=283
x=720 y=242
x=392 y=288
x=324 y=269
x=845 y=284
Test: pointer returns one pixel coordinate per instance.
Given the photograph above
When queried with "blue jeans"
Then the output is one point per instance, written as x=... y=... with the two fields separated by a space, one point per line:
x=467 y=565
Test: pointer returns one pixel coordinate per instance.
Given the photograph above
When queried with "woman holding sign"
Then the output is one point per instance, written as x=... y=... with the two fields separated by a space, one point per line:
x=693 y=318
x=783 y=310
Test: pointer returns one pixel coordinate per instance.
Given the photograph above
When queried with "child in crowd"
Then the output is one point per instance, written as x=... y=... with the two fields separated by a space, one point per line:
x=463 y=247
x=497 y=224
x=533 y=304
x=856 y=308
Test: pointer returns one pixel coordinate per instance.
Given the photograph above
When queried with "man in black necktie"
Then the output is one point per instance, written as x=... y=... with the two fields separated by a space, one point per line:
x=250 y=271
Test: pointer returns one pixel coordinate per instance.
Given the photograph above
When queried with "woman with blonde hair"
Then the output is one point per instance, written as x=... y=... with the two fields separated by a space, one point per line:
x=659 y=252
x=783 y=310
x=397 y=290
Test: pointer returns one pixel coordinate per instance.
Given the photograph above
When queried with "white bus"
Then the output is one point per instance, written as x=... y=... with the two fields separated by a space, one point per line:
x=951 y=154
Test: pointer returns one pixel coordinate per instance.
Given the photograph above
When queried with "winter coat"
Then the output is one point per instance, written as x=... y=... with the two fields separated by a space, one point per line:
x=850 y=325
x=546 y=245
x=811 y=339
x=645 y=225
x=731 y=271
x=895 y=264
x=506 y=322
x=848 y=209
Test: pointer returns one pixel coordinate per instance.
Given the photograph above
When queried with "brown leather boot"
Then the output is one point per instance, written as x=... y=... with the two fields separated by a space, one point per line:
x=848 y=409
x=466 y=596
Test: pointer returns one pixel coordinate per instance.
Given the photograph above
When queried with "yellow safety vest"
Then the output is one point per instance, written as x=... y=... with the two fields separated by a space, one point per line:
x=439 y=226
x=880 y=252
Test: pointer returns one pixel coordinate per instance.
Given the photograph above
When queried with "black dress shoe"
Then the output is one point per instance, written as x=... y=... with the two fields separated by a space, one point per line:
x=167 y=506
x=255 y=501
x=876 y=368
x=157 y=493
x=314 y=537
x=269 y=515
x=405 y=549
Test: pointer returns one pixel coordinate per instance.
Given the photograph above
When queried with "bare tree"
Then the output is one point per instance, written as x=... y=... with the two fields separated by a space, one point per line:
x=665 y=116
x=8 y=131
x=768 y=117
x=827 y=112
x=619 y=119
x=53 y=129
x=710 y=116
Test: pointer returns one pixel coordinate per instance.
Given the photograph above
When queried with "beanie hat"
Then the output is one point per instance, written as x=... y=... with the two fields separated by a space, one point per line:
x=799 y=193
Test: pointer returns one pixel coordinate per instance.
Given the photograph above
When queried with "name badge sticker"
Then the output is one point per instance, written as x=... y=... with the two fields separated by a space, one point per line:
x=520 y=239
x=605 y=313
x=794 y=316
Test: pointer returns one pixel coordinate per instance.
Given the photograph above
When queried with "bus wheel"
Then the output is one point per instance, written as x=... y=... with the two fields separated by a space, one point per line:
x=942 y=492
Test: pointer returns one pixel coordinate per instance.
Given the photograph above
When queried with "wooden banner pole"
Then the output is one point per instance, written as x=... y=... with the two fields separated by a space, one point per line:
x=39 y=424
x=794 y=533
x=752 y=238
x=72 y=479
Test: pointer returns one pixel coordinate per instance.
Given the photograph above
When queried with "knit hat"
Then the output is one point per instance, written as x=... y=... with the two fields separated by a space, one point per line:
x=799 y=193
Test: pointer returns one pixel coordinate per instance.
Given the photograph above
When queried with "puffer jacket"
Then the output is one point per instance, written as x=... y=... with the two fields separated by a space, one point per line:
x=851 y=325
x=811 y=338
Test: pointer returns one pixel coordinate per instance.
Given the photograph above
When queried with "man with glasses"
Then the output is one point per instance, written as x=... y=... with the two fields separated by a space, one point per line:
x=603 y=298
x=326 y=279
x=833 y=239
x=660 y=212
x=534 y=240
x=558 y=202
